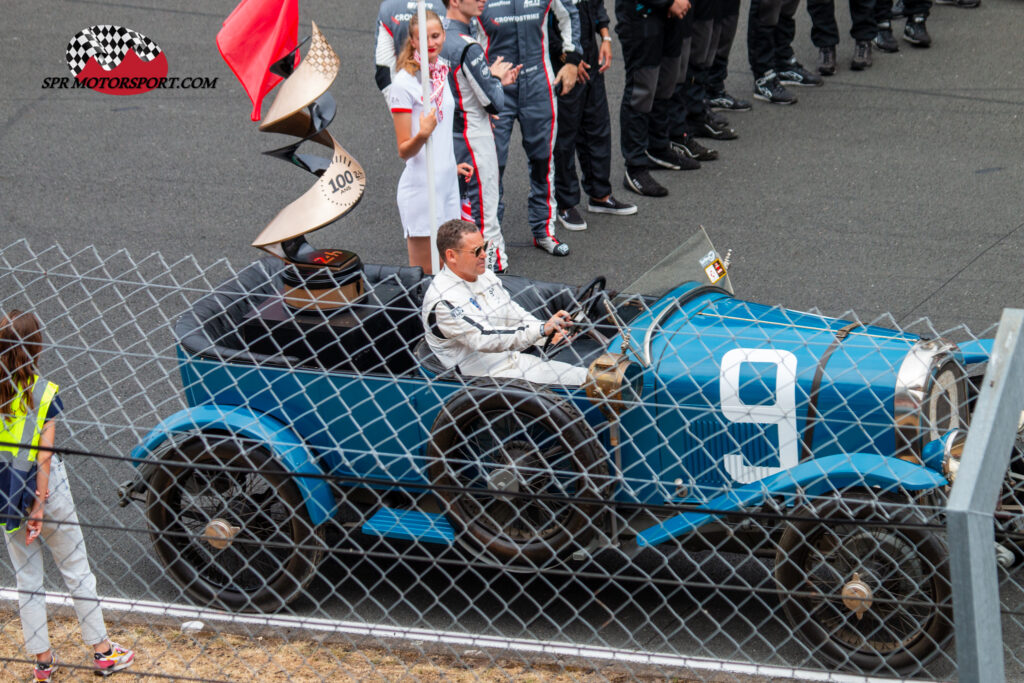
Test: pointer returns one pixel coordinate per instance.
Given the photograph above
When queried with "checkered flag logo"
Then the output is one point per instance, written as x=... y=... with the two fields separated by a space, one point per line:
x=108 y=44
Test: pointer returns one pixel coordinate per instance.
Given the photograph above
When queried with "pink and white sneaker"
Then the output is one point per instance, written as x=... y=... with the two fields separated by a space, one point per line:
x=118 y=658
x=44 y=672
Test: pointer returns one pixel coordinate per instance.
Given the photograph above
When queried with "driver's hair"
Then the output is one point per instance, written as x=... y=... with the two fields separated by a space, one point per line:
x=449 y=235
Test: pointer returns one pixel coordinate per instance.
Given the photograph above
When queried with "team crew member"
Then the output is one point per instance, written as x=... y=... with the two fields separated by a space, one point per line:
x=825 y=33
x=478 y=93
x=727 y=19
x=652 y=35
x=916 y=31
x=29 y=408
x=770 y=32
x=414 y=123
x=517 y=31
x=471 y=323
x=392 y=30
x=584 y=126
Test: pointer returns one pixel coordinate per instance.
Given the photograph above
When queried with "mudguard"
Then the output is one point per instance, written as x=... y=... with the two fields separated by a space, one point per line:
x=976 y=351
x=281 y=441
x=813 y=477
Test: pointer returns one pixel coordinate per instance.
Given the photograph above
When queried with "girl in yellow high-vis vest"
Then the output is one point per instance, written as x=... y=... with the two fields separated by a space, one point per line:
x=34 y=487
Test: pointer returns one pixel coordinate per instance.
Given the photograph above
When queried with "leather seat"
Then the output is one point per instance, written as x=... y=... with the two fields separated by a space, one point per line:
x=543 y=299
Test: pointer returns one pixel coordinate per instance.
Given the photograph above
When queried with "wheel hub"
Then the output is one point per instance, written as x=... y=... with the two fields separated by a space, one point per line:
x=219 y=533
x=857 y=596
x=503 y=479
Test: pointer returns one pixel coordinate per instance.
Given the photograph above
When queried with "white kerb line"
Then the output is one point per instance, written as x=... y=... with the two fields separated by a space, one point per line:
x=452 y=638
x=421 y=11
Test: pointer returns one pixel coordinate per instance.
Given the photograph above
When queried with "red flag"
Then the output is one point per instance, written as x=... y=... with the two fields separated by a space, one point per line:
x=254 y=36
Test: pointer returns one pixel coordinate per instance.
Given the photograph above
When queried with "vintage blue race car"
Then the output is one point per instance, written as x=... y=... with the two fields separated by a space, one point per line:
x=709 y=422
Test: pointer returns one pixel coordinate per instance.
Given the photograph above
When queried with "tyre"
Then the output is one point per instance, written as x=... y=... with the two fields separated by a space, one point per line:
x=500 y=442
x=869 y=597
x=237 y=540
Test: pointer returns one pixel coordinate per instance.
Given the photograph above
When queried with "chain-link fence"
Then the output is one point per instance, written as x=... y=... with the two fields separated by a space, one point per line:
x=708 y=489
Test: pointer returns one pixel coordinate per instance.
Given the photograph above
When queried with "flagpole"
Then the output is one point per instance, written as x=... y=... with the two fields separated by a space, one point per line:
x=421 y=10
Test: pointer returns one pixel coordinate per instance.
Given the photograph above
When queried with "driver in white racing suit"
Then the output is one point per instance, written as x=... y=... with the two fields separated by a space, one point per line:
x=472 y=324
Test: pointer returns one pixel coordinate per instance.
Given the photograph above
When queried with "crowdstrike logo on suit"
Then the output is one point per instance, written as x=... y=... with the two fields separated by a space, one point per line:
x=115 y=60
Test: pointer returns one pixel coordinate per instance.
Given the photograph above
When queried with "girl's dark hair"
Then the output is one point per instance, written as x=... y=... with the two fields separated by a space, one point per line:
x=21 y=340
x=405 y=59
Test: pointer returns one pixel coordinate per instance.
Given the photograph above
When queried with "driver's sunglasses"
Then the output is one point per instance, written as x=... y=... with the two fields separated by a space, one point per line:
x=479 y=251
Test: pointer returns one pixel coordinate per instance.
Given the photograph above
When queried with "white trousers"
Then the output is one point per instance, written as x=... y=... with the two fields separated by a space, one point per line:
x=63 y=536
x=524 y=366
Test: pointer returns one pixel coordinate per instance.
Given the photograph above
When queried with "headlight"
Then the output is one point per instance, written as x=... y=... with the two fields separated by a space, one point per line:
x=931 y=396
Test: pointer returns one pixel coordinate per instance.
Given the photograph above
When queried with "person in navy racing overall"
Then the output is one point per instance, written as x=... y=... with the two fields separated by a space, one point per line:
x=517 y=31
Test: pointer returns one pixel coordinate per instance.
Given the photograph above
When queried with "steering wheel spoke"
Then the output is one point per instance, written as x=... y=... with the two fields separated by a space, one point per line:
x=588 y=300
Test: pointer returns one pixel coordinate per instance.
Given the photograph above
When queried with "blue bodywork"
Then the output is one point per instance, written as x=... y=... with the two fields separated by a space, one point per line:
x=724 y=422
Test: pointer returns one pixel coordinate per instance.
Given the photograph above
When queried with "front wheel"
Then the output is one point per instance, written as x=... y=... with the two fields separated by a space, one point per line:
x=869 y=597
x=240 y=540
x=514 y=462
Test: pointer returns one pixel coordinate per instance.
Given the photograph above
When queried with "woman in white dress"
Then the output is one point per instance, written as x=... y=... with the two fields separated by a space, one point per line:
x=414 y=123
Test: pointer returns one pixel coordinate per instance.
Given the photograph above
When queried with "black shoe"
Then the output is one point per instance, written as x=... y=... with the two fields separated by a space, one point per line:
x=897 y=9
x=861 y=56
x=713 y=126
x=552 y=246
x=716 y=119
x=916 y=33
x=612 y=206
x=885 y=40
x=689 y=146
x=723 y=101
x=671 y=159
x=769 y=89
x=571 y=219
x=827 y=60
x=639 y=180
x=795 y=74
x=965 y=4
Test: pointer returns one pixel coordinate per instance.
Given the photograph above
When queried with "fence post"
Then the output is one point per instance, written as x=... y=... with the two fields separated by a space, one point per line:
x=972 y=502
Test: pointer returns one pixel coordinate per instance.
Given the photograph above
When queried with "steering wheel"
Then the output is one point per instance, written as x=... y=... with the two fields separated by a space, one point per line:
x=587 y=309
x=589 y=292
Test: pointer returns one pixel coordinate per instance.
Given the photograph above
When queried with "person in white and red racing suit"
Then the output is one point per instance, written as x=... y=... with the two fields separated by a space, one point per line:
x=472 y=324
x=518 y=31
x=391 y=33
x=479 y=95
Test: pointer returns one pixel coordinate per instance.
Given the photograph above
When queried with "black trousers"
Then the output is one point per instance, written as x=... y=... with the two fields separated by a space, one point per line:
x=651 y=47
x=825 y=30
x=702 y=54
x=584 y=131
x=727 y=18
x=913 y=8
x=770 y=32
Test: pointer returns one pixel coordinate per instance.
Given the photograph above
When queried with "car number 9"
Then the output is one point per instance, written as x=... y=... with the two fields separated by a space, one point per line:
x=781 y=413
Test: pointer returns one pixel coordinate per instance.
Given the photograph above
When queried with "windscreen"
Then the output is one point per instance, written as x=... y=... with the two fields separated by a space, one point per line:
x=695 y=260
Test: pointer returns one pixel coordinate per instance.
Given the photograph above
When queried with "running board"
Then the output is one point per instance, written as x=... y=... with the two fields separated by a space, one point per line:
x=410 y=525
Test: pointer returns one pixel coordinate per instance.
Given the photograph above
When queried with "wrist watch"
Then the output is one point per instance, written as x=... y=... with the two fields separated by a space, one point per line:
x=606 y=39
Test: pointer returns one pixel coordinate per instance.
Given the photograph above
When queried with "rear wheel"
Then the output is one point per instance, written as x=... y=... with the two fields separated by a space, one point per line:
x=234 y=539
x=871 y=597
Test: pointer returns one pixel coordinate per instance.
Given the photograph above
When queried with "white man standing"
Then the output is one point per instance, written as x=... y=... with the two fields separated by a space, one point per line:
x=472 y=324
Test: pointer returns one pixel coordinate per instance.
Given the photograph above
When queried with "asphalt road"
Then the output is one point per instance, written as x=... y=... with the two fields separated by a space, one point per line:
x=894 y=193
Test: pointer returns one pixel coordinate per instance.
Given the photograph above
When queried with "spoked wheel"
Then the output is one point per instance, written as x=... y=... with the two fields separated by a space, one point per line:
x=499 y=443
x=866 y=597
x=238 y=540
